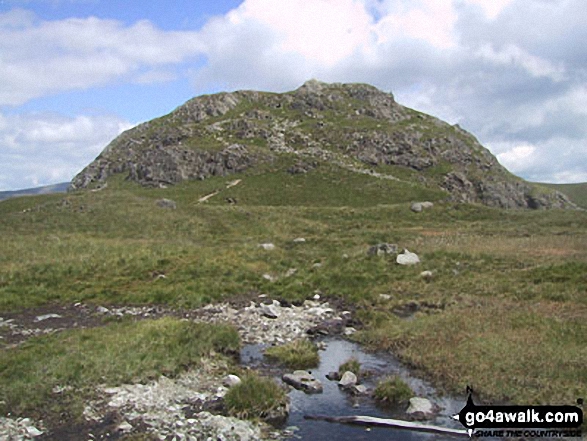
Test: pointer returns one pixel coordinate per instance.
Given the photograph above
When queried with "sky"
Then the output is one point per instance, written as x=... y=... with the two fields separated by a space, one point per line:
x=76 y=73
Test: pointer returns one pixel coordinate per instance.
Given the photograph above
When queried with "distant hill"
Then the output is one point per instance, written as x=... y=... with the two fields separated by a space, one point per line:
x=47 y=189
x=323 y=130
x=577 y=193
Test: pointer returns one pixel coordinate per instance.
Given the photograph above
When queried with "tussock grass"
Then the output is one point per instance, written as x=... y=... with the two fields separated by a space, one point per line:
x=114 y=354
x=300 y=354
x=393 y=390
x=352 y=365
x=255 y=397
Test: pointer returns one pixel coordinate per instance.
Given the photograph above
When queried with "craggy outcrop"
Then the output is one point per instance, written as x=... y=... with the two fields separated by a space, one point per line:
x=225 y=133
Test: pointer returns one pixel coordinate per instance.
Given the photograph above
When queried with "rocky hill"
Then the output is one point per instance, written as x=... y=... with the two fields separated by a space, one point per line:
x=352 y=126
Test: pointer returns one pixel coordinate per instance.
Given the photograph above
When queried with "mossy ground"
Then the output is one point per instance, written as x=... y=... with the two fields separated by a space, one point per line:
x=505 y=311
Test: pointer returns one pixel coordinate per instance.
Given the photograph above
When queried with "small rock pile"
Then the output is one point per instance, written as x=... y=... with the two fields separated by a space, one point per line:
x=19 y=429
x=166 y=407
x=273 y=323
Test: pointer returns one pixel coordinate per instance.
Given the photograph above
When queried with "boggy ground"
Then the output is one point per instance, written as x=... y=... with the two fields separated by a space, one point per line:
x=505 y=309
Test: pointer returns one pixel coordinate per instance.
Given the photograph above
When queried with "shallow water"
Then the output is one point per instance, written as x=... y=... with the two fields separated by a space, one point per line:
x=334 y=402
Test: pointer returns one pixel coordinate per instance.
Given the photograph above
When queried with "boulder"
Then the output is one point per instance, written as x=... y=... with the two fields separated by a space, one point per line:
x=358 y=389
x=269 y=311
x=427 y=275
x=416 y=207
x=41 y=318
x=303 y=381
x=267 y=246
x=299 y=240
x=348 y=380
x=166 y=203
x=381 y=249
x=333 y=376
x=231 y=380
x=422 y=409
x=407 y=258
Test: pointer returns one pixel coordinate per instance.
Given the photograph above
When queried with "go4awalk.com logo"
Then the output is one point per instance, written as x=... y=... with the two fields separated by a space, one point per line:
x=521 y=421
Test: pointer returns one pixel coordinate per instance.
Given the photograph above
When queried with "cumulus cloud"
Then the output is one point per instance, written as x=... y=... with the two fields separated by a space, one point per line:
x=513 y=72
x=46 y=57
x=42 y=149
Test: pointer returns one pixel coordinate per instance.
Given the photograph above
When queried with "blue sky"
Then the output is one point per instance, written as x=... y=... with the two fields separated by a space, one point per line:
x=75 y=73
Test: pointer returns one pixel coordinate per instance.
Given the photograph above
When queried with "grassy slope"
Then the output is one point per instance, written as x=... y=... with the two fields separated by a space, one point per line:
x=508 y=294
x=576 y=192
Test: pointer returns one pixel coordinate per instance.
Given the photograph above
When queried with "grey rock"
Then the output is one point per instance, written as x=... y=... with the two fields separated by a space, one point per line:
x=416 y=207
x=358 y=389
x=422 y=409
x=124 y=427
x=267 y=246
x=102 y=310
x=407 y=258
x=231 y=380
x=303 y=381
x=427 y=275
x=290 y=272
x=269 y=277
x=269 y=311
x=348 y=331
x=382 y=249
x=333 y=376
x=166 y=203
x=348 y=380
x=44 y=317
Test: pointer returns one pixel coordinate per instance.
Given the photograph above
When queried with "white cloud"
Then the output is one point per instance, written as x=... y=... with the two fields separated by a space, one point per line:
x=321 y=31
x=518 y=157
x=491 y=8
x=42 y=149
x=510 y=71
x=515 y=56
x=428 y=20
x=44 y=57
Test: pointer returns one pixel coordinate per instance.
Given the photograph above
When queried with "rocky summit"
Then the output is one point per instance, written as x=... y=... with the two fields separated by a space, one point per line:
x=355 y=127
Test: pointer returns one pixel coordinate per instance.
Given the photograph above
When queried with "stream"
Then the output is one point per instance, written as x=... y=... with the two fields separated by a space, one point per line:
x=335 y=402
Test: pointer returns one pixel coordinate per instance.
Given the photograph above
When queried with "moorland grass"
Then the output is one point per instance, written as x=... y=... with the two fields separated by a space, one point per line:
x=352 y=365
x=78 y=360
x=392 y=390
x=508 y=291
x=255 y=397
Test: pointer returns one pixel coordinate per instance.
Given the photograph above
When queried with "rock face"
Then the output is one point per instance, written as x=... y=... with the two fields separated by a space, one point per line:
x=355 y=125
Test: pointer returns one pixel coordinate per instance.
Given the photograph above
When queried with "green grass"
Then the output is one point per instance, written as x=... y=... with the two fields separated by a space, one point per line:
x=393 y=390
x=352 y=365
x=111 y=355
x=300 y=354
x=504 y=280
x=255 y=397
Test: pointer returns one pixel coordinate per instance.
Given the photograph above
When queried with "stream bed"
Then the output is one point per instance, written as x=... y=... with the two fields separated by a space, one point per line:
x=334 y=402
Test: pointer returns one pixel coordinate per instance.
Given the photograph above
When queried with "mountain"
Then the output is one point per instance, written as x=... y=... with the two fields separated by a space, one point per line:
x=353 y=128
x=55 y=188
x=577 y=193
